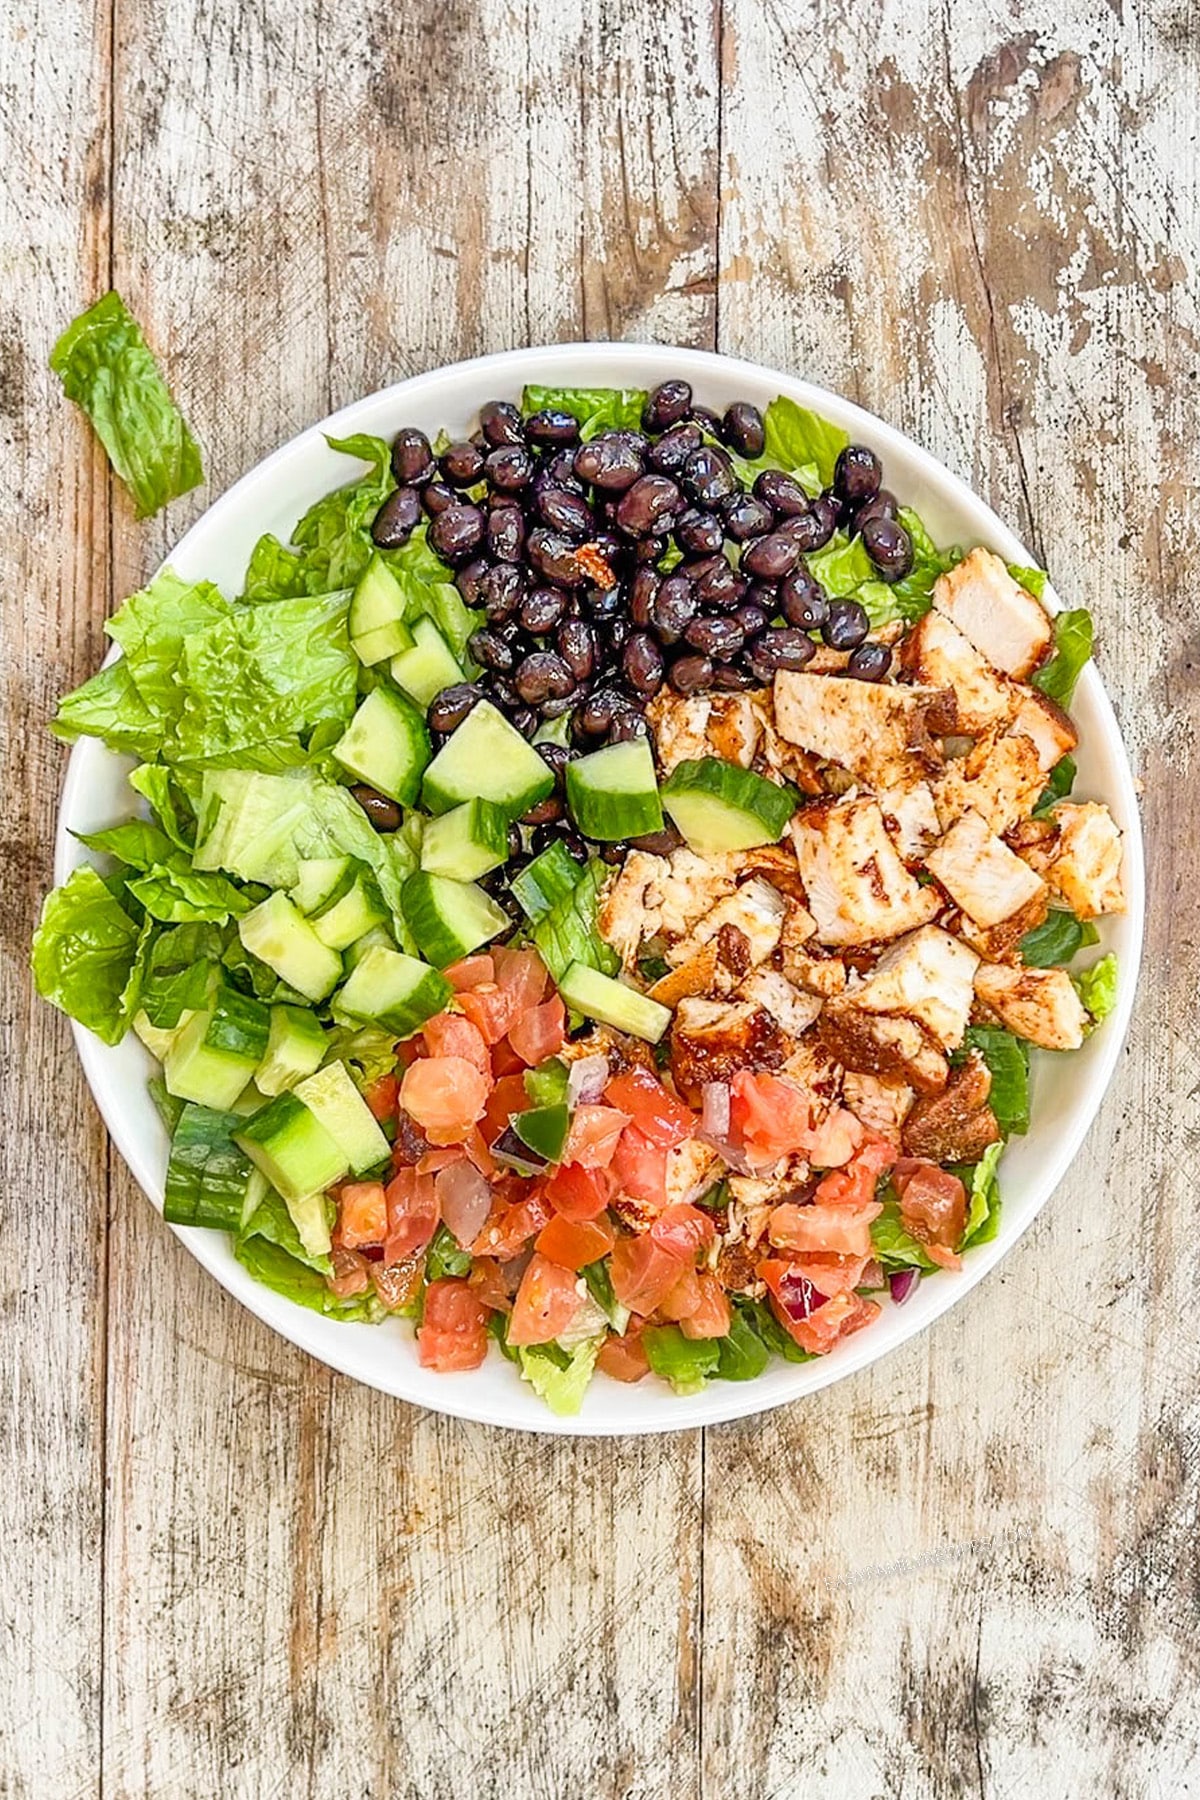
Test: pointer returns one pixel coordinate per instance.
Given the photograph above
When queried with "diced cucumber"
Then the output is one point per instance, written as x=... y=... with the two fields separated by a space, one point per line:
x=428 y=667
x=393 y=990
x=292 y=1148
x=295 y=1048
x=279 y=935
x=379 y=937
x=355 y=913
x=310 y=1216
x=452 y=616
x=321 y=880
x=157 y=1040
x=331 y=1095
x=609 y=1001
x=217 y=1051
x=466 y=842
x=543 y=1129
x=207 y=1175
x=613 y=793
x=718 y=806
x=386 y=744
x=449 y=919
x=549 y=878
x=376 y=617
x=486 y=758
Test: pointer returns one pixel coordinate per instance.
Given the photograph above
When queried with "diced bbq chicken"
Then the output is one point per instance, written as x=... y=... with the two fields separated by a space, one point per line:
x=1001 y=779
x=807 y=967
x=881 y=733
x=1000 y=943
x=956 y=1125
x=687 y=728
x=882 y=1106
x=690 y=1170
x=994 y=613
x=811 y=1066
x=629 y=910
x=927 y=976
x=911 y=810
x=1038 y=1004
x=937 y=654
x=794 y=1009
x=859 y=890
x=981 y=874
x=896 y=1048
x=712 y=1039
x=1082 y=858
x=755 y=909
x=1042 y=719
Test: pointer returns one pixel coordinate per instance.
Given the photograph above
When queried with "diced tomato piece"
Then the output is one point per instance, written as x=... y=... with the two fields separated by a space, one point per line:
x=362 y=1214
x=712 y=1317
x=643 y=1273
x=471 y=972
x=505 y=1060
x=933 y=1203
x=575 y=1243
x=659 y=1115
x=641 y=1167
x=624 y=1358
x=491 y=1007
x=683 y=1299
x=507 y=1097
x=546 y=1303
x=433 y=1160
x=593 y=1137
x=523 y=974
x=351 y=1273
x=450 y=1034
x=578 y=1193
x=490 y=1280
x=831 y=1274
x=684 y=1230
x=856 y=1183
x=770 y=1115
x=511 y=1225
x=835 y=1230
x=382 y=1097
x=539 y=1033
x=409 y=1049
x=453 y=1329
x=811 y=1318
x=836 y=1139
x=397 y=1284
x=479 y=1154
x=445 y=1095
x=412 y=1215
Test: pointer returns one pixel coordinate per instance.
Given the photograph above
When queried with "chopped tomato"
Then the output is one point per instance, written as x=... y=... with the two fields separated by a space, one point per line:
x=382 y=1096
x=362 y=1214
x=831 y=1274
x=511 y=1224
x=546 y=1303
x=684 y=1230
x=412 y=1215
x=489 y=1280
x=683 y=1299
x=507 y=1097
x=593 y=1137
x=445 y=1095
x=836 y=1139
x=577 y=1193
x=397 y=1284
x=523 y=974
x=351 y=1273
x=643 y=1273
x=450 y=1034
x=641 y=1167
x=834 y=1230
x=856 y=1183
x=433 y=1160
x=480 y=1155
x=661 y=1117
x=505 y=1060
x=539 y=1033
x=770 y=1115
x=408 y=1050
x=471 y=972
x=712 y=1317
x=945 y=1259
x=575 y=1243
x=491 y=1007
x=624 y=1358
x=933 y=1203
x=453 y=1329
x=812 y=1319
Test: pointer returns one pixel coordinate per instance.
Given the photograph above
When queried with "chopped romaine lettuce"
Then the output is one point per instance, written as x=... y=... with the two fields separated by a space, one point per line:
x=178 y=973
x=892 y=1242
x=444 y=1256
x=600 y=1287
x=1073 y=637
x=685 y=1362
x=597 y=409
x=86 y=955
x=1059 y=783
x=1033 y=580
x=179 y=896
x=1008 y=1059
x=267 y=1262
x=983 y=1198
x=1056 y=939
x=796 y=436
x=560 y=1377
x=1097 y=987
x=742 y=1354
x=334 y=536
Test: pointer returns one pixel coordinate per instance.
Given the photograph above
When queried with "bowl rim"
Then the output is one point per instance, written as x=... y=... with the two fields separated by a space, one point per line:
x=720 y=1402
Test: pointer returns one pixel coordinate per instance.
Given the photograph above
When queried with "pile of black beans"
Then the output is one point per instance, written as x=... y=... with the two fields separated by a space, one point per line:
x=559 y=545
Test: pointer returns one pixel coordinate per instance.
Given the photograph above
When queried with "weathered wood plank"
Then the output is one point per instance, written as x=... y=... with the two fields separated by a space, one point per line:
x=979 y=232
x=53 y=573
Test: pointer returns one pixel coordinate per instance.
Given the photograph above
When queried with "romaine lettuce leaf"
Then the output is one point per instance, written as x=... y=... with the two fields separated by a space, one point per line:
x=444 y=1257
x=334 y=536
x=567 y=933
x=842 y=566
x=1008 y=1059
x=741 y=1354
x=106 y=367
x=370 y=1051
x=600 y=1287
x=156 y=784
x=1097 y=987
x=558 y=1377
x=685 y=1362
x=983 y=1198
x=274 y=572
x=269 y=1263
x=136 y=842
x=892 y=1242
x=597 y=409
x=1033 y=580
x=110 y=708
x=1059 y=783
x=1073 y=638
x=178 y=972
x=796 y=436
x=1056 y=939
x=86 y=955
x=178 y=895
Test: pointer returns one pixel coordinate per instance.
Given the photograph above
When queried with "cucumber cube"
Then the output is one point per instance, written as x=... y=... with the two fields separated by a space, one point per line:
x=395 y=991
x=292 y=1148
x=320 y=881
x=718 y=806
x=350 y=917
x=331 y=1096
x=295 y=1047
x=613 y=793
x=217 y=1051
x=282 y=937
x=449 y=919
x=386 y=745
x=609 y=1001
x=376 y=616
x=466 y=842
x=428 y=667
x=486 y=758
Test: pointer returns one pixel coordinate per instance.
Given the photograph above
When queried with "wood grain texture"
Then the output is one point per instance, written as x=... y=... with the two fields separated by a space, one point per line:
x=971 y=1570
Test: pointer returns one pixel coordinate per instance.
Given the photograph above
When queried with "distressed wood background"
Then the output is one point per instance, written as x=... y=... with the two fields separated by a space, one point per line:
x=970 y=1570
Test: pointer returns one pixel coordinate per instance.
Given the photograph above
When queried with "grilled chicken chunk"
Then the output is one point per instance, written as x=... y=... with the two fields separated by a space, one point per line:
x=755 y=909
x=687 y=728
x=981 y=874
x=1038 y=1004
x=1001 y=779
x=712 y=1039
x=956 y=1125
x=894 y=1048
x=882 y=734
x=911 y=810
x=881 y=1106
x=690 y=1170
x=1042 y=719
x=1000 y=943
x=994 y=613
x=791 y=1007
x=927 y=976
x=859 y=891
x=1082 y=857
x=936 y=654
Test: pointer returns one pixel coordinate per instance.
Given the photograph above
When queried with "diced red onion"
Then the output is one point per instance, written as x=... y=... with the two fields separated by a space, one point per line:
x=798 y=1297
x=715 y=1113
x=464 y=1200
x=587 y=1080
x=735 y=1160
x=902 y=1284
x=872 y=1276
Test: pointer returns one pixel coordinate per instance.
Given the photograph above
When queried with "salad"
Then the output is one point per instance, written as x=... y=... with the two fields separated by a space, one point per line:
x=593 y=894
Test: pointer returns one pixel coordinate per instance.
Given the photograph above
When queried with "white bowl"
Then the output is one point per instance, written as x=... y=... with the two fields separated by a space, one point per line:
x=1067 y=1089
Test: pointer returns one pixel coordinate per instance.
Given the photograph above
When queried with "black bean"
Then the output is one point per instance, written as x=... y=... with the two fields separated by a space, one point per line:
x=448 y=709
x=509 y=468
x=699 y=532
x=720 y=638
x=642 y=664
x=396 y=518
x=501 y=423
x=667 y=405
x=708 y=420
x=835 y=501
x=751 y=617
x=461 y=464
x=556 y=757
x=599 y=710
x=642 y=592
x=610 y=462
x=870 y=662
x=745 y=518
x=764 y=594
x=610 y=546
x=502 y=693
x=470 y=581
x=506 y=533
x=647 y=504
x=552 y=426
x=781 y=492
x=720 y=585
x=708 y=476
x=628 y=724
x=779 y=647
x=846 y=626
x=525 y=719
x=545 y=812
x=613 y=854
x=541 y=610
x=689 y=674
x=491 y=651
x=456 y=533
x=674 y=447
x=603 y=604
x=412 y=458
x=436 y=497
x=734 y=678
x=553 y=556
x=658 y=843
x=802 y=600
x=856 y=474
x=383 y=813
x=514 y=850
x=743 y=430
x=825 y=509
x=502 y=589
x=770 y=558
x=810 y=530
x=543 y=675
x=615 y=633
x=565 y=512
x=889 y=547
x=650 y=549
x=558 y=468
x=882 y=505
x=674 y=608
